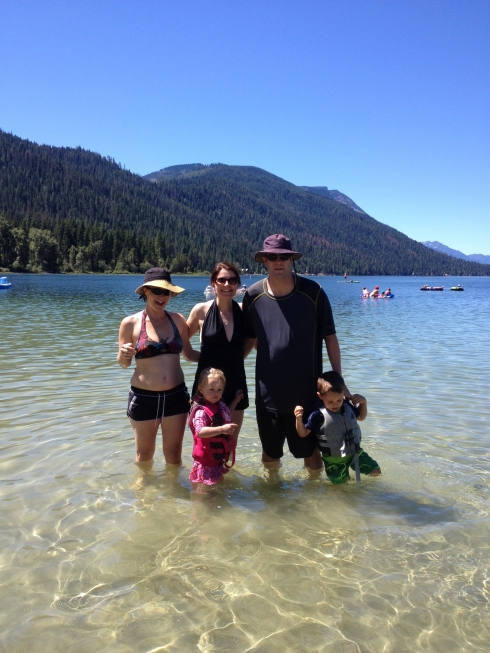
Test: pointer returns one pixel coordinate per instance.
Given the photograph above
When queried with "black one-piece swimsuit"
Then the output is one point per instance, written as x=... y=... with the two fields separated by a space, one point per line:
x=224 y=355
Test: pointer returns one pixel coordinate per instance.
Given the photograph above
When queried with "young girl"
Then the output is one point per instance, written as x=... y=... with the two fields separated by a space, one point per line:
x=212 y=429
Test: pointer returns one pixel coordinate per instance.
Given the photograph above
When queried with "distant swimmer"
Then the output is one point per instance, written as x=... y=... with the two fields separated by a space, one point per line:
x=375 y=292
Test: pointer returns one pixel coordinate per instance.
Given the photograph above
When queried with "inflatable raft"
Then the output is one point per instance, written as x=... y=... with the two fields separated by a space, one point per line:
x=390 y=296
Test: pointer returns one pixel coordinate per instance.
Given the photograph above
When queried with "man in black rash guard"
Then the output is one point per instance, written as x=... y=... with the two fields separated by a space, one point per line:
x=288 y=318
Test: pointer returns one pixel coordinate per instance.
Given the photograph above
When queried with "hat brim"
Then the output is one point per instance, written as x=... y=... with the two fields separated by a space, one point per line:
x=160 y=283
x=295 y=255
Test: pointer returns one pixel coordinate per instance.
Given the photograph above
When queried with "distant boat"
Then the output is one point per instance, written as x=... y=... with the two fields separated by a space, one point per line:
x=4 y=283
x=456 y=288
x=432 y=287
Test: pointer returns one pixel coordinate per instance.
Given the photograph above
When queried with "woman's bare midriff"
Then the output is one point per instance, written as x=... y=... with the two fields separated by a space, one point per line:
x=158 y=373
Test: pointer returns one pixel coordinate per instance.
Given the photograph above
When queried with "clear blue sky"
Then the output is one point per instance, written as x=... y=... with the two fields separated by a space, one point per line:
x=387 y=101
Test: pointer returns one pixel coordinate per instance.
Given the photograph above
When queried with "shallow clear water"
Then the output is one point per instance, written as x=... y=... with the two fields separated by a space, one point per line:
x=96 y=555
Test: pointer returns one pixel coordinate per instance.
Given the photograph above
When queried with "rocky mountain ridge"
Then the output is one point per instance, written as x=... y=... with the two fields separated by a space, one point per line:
x=436 y=246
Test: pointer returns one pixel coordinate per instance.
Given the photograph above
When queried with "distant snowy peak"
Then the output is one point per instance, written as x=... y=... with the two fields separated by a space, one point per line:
x=443 y=249
x=334 y=195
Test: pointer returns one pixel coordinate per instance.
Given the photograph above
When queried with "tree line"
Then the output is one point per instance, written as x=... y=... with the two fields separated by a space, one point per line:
x=71 y=210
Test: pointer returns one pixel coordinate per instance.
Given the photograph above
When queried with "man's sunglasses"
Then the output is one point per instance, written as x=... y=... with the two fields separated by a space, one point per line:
x=159 y=291
x=281 y=257
x=224 y=280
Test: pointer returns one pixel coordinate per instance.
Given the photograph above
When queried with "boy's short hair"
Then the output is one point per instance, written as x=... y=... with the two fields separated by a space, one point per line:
x=330 y=381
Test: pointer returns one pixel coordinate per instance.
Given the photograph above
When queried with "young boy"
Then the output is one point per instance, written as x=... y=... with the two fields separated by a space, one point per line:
x=335 y=423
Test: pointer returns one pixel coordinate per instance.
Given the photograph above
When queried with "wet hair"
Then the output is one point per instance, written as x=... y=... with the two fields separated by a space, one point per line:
x=207 y=371
x=224 y=265
x=330 y=381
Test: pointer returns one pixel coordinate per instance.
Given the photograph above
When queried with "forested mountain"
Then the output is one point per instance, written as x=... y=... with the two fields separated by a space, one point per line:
x=67 y=209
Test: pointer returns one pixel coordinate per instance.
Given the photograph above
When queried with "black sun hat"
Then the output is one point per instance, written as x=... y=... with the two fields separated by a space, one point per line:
x=158 y=278
x=277 y=244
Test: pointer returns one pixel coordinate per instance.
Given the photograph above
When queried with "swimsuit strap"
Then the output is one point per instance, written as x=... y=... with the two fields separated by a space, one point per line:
x=143 y=336
x=144 y=333
x=177 y=336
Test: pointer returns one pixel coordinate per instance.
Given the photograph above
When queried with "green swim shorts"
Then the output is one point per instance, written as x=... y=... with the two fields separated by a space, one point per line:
x=338 y=468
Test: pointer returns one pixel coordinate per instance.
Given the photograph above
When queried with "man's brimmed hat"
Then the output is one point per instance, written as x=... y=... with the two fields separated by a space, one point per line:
x=158 y=278
x=277 y=244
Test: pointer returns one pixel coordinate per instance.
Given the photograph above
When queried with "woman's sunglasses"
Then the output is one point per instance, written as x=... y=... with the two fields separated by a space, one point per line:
x=159 y=291
x=281 y=257
x=224 y=280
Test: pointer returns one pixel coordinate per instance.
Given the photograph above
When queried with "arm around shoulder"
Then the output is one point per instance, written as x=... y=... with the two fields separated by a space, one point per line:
x=188 y=352
x=196 y=317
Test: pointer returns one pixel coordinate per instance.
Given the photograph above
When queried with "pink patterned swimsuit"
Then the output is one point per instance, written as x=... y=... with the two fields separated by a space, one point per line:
x=211 y=455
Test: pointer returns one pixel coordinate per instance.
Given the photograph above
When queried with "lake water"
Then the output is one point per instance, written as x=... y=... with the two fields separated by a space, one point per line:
x=96 y=556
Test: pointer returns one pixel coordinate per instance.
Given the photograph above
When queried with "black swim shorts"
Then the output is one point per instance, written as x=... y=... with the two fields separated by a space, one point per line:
x=276 y=428
x=145 y=405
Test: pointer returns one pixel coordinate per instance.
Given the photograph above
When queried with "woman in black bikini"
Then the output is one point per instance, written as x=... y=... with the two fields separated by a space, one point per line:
x=158 y=396
x=222 y=329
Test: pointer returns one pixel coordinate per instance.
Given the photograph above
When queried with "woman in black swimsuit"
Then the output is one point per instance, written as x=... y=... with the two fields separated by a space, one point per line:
x=220 y=322
x=158 y=396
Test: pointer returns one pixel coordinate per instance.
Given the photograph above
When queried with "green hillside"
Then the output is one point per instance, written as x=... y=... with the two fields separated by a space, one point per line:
x=67 y=209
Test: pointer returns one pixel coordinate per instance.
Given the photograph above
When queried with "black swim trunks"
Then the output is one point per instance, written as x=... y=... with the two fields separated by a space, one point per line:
x=275 y=428
x=145 y=405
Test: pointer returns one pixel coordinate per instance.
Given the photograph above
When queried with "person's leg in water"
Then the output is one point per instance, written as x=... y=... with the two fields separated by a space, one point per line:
x=145 y=435
x=172 y=437
x=271 y=438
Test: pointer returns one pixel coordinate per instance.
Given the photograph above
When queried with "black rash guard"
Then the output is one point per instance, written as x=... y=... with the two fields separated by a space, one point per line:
x=290 y=332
